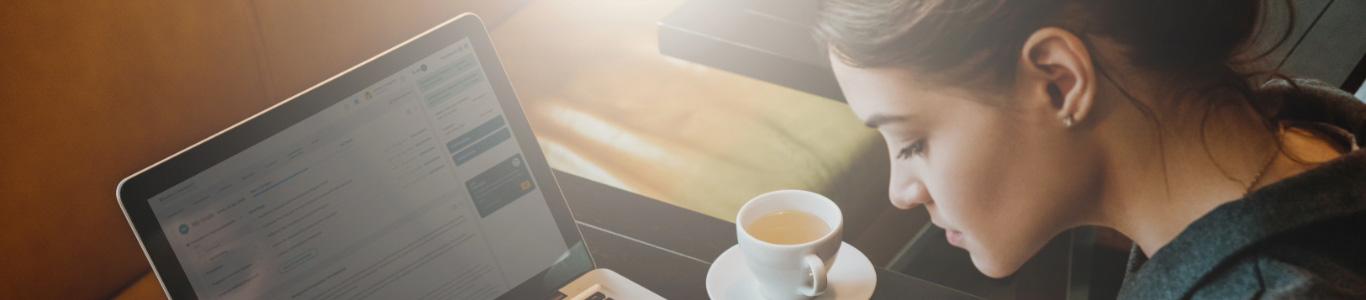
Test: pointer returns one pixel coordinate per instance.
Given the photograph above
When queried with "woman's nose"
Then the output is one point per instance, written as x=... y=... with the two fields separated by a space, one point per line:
x=908 y=194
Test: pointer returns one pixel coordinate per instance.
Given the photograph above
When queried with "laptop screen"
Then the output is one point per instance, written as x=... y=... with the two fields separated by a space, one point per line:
x=413 y=188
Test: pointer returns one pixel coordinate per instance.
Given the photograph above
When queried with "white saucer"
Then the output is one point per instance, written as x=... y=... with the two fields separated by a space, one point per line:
x=852 y=276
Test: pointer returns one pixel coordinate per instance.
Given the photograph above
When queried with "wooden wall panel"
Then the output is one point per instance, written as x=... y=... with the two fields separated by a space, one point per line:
x=90 y=92
x=308 y=41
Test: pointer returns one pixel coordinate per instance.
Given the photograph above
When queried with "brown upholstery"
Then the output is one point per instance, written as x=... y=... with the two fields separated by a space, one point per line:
x=92 y=91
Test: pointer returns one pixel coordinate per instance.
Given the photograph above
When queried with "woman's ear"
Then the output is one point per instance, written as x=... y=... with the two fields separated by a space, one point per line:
x=1056 y=65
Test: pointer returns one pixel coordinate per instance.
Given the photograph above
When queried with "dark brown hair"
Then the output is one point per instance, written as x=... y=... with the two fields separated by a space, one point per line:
x=1206 y=41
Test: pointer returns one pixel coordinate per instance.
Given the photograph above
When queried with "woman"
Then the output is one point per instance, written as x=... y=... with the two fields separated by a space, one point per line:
x=1012 y=121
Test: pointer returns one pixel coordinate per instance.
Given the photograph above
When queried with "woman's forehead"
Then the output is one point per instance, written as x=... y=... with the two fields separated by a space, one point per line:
x=886 y=91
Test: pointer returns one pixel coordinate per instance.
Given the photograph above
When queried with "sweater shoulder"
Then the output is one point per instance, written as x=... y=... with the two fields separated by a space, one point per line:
x=1325 y=261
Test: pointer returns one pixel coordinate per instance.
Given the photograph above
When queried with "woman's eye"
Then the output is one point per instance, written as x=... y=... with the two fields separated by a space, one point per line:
x=914 y=149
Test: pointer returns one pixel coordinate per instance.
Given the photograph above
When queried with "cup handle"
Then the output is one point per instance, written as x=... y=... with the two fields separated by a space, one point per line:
x=818 y=272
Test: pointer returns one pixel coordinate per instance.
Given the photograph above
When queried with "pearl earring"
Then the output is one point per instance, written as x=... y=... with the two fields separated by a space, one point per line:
x=1067 y=121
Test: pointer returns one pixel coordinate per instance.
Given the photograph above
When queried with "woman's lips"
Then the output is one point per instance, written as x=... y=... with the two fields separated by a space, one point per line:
x=955 y=237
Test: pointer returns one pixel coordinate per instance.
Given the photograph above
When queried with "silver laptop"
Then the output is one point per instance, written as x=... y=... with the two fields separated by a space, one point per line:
x=413 y=175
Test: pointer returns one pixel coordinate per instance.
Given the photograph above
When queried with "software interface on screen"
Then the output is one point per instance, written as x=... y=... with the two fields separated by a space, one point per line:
x=413 y=188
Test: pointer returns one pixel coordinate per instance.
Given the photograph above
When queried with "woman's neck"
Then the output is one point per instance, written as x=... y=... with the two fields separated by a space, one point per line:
x=1178 y=170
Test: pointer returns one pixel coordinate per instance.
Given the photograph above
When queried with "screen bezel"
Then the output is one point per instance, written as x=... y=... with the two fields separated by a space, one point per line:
x=134 y=191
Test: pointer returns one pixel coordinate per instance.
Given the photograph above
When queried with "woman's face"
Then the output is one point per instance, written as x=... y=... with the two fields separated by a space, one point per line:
x=1002 y=176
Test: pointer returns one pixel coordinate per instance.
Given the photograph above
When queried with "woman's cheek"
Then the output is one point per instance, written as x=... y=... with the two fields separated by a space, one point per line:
x=967 y=183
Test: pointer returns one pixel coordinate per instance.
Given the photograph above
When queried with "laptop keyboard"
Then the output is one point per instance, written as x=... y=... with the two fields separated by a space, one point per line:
x=596 y=292
x=598 y=296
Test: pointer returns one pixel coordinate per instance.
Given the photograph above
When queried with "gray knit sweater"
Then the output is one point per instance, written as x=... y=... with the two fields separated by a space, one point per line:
x=1301 y=238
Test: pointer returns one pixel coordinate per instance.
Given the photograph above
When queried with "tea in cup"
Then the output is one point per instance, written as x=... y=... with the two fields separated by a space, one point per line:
x=789 y=239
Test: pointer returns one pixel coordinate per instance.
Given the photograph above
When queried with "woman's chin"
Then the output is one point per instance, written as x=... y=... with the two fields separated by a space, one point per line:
x=994 y=267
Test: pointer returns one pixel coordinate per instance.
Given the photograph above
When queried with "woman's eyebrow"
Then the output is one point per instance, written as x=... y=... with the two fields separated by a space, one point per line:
x=878 y=120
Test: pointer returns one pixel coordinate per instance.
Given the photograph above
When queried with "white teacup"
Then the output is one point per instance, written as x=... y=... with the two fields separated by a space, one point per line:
x=790 y=271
